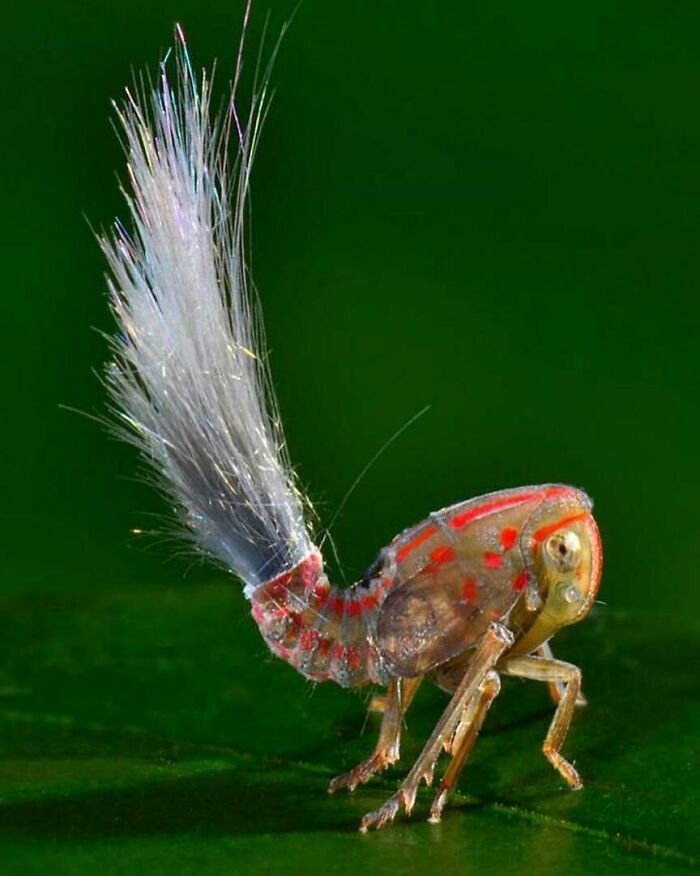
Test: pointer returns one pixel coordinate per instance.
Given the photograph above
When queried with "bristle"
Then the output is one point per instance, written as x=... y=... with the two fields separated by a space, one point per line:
x=189 y=375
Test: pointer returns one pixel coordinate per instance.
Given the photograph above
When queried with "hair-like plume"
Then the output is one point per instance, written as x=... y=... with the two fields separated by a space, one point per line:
x=189 y=381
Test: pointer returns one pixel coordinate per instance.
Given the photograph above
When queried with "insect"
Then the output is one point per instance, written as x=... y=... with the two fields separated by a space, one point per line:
x=474 y=592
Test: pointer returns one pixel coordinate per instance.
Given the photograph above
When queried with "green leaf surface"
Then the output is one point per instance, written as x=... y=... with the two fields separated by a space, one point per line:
x=149 y=731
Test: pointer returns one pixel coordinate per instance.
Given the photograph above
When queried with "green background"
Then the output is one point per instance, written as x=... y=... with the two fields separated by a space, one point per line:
x=491 y=208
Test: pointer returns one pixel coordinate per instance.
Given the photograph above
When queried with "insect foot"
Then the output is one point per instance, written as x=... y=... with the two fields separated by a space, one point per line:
x=405 y=796
x=363 y=772
x=438 y=805
x=565 y=769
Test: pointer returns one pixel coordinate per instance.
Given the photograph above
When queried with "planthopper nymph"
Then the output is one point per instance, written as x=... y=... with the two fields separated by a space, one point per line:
x=474 y=592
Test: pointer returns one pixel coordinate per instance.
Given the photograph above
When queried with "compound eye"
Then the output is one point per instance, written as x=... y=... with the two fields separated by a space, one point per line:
x=564 y=549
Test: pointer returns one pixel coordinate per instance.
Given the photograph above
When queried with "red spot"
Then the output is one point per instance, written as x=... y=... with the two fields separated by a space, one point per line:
x=545 y=531
x=309 y=569
x=469 y=589
x=321 y=592
x=508 y=537
x=336 y=604
x=387 y=583
x=492 y=560
x=277 y=591
x=442 y=555
x=338 y=651
x=283 y=580
x=368 y=602
x=353 y=607
x=353 y=657
x=461 y=520
x=403 y=552
x=521 y=580
x=324 y=646
x=308 y=639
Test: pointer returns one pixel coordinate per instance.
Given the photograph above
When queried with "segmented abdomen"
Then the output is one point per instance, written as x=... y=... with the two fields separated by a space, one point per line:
x=323 y=632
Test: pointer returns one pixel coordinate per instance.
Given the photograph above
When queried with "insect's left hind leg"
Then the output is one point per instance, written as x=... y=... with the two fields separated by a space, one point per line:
x=463 y=742
x=399 y=695
x=551 y=670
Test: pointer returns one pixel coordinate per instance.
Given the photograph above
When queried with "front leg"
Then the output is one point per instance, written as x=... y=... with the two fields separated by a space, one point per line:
x=567 y=675
x=495 y=641
x=398 y=698
x=464 y=739
x=556 y=688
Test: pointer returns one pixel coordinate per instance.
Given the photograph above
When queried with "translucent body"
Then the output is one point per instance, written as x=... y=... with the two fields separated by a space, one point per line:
x=435 y=589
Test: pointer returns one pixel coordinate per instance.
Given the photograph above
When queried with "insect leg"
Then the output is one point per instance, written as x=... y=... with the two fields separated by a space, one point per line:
x=569 y=676
x=465 y=737
x=556 y=688
x=399 y=695
x=379 y=702
x=494 y=642
x=450 y=743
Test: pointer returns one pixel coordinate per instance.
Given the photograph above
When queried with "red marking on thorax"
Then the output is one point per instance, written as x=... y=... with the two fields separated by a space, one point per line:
x=509 y=536
x=442 y=555
x=521 y=580
x=480 y=511
x=492 y=560
x=469 y=589
x=403 y=552
x=545 y=531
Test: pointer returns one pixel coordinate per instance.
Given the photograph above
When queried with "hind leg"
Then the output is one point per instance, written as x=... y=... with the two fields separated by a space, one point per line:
x=398 y=698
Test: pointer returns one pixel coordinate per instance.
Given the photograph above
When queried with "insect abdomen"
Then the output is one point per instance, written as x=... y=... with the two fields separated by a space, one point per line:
x=323 y=632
